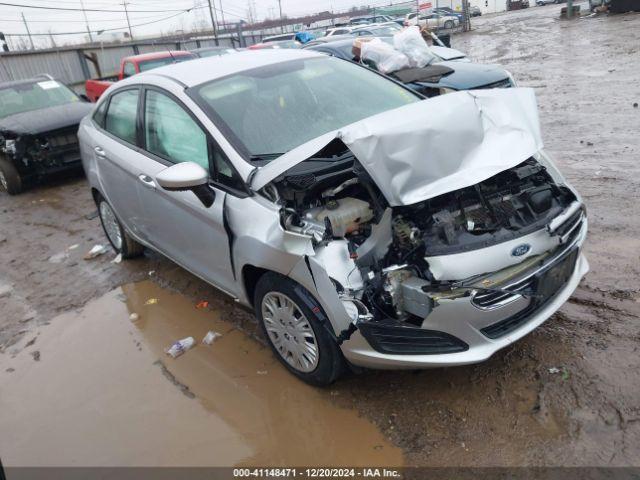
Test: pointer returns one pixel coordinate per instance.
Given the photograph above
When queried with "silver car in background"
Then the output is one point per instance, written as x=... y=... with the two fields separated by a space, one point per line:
x=365 y=225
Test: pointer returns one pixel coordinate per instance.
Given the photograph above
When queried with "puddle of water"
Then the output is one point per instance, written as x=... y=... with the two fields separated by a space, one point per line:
x=99 y=396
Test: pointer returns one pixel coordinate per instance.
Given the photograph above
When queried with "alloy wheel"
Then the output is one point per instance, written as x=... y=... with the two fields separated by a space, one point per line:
x=111 y=225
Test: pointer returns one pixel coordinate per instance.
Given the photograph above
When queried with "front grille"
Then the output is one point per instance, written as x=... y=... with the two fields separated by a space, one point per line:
x=547 y=284
x=386 y=337
x=506 y=83
x=62 y=140
x=489 y=300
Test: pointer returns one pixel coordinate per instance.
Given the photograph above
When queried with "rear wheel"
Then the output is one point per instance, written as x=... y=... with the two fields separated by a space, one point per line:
x=120 y=240
x=10 y=179
x=448 y=24
x=296 y=328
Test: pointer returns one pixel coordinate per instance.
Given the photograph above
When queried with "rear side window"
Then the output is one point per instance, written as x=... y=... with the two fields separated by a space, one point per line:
x=99 y=116
x=121 y=115
x=171 y=133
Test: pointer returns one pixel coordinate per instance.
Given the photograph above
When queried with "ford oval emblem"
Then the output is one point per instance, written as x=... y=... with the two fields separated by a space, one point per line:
x=521 y=250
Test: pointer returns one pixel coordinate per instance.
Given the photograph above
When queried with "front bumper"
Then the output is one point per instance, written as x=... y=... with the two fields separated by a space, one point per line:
x=483 y=330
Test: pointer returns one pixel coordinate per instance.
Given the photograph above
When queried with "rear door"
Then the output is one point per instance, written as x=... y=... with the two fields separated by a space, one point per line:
x=114 y=145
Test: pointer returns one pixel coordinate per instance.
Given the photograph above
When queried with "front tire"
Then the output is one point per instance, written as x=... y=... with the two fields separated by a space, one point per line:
x=119 y=239
x=10 y=179
x=295 y=326
x=448 y=24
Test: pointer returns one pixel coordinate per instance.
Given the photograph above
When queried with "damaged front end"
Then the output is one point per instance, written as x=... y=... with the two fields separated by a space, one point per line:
x=42 y=153
x=463 y=270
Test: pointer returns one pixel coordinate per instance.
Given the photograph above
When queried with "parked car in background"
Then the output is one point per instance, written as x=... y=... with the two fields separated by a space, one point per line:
x=475 y=11
x=449 y=11
x=204 y=52
x=336 y=31
x=133 y=65
x=274 y=45
x=39 y=119
x=370 y=19
x=297 y=184
x=377 y=29
x=279 y=38
x=440 y=77
x=542 y=3
x=431 y=20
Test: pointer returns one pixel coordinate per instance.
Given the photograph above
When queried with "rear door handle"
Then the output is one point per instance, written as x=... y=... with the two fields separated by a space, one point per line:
x=100 y=152
x=147 y=180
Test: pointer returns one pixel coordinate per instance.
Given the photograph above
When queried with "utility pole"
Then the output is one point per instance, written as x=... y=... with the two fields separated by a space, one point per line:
x=281 y=21
x=213 y=23
x=126 y=12
x=86 y=20
x=28 y=32
x=224 y=25
x=570 y=9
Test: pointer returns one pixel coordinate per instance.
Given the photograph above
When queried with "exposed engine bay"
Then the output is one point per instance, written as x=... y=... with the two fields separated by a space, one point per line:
x=389 y=247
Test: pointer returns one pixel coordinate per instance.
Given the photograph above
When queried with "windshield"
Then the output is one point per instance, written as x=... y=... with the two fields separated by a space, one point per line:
x=34 y=96
x=272 y=109
x=161 y=62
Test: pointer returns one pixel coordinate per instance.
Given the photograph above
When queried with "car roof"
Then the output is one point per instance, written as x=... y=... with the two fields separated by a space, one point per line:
x=203 y=70
x=329 y=39
x=156 y=55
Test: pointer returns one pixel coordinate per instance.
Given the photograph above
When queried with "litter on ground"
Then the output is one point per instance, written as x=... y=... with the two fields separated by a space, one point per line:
x=180 y=347
x=211 y=337
x=95 y=251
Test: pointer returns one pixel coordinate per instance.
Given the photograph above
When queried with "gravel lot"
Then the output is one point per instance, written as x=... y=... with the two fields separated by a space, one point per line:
x=511 y=410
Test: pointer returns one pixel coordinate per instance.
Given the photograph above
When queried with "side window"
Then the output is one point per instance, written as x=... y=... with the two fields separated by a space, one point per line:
x=121 y=115
x=171 y=133
x=98 y=117
x=129 y=70
x=224 y=173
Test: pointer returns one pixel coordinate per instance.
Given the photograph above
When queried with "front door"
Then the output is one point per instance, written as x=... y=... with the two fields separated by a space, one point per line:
x=177 y=222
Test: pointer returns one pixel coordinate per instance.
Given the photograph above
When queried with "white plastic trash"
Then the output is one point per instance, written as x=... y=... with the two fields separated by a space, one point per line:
x=410 y=42
x=384 y=56
x=180 y=347
x=95 y=251
x=211 y=337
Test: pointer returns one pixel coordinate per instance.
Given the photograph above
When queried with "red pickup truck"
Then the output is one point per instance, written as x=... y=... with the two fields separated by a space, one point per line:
x=131 y=65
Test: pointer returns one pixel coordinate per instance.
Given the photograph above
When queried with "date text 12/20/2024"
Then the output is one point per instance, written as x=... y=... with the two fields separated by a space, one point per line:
x=304 y=473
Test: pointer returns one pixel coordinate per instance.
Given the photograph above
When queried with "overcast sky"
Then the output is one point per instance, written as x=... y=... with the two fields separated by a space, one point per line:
x=44 y=21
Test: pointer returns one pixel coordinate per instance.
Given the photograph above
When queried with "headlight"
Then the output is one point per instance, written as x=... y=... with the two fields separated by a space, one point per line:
x=10 y=146
x=513 y=80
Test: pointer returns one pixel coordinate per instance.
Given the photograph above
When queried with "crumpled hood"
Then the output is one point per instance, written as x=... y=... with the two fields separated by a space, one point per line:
x=46 y=119
x=434 y=146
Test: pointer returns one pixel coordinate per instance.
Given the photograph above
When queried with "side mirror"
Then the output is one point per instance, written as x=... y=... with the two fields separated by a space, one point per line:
x=187 y=176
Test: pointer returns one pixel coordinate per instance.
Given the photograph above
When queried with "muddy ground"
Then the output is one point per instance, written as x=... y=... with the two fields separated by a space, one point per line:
x=105 y=382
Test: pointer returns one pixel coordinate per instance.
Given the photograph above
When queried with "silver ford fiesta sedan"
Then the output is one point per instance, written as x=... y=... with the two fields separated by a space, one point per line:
x=364 y=224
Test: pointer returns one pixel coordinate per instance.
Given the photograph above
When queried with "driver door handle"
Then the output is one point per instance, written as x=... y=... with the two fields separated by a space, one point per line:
x=147 y=180
x=100 y=152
